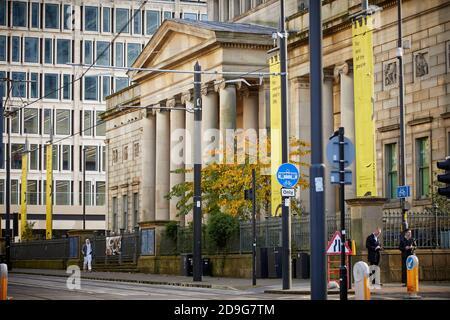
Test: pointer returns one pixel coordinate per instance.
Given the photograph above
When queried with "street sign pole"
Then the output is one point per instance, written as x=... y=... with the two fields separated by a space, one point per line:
x=317 y=170
x=343 y=268
x=254 y=226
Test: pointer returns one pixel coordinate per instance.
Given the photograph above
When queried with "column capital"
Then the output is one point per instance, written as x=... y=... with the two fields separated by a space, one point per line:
x=186 y=97
x=328 y=74
x=208 y=88
x=222 y=84
x=345 y=68
x=302 y=81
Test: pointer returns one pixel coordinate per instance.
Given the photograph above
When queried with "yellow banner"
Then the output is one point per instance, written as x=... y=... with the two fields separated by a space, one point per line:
x=364 y=95
x=48 y=193
x=275 y=132
x=23 y=196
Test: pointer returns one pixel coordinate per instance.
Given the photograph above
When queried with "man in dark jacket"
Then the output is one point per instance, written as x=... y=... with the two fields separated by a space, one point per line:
x=373 y=248
x=407 y=246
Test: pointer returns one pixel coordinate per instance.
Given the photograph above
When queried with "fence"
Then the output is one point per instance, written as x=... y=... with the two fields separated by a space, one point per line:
x=41 y=250
x=431 y=228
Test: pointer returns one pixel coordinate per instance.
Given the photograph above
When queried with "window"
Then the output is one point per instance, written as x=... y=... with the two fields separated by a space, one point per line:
x=51 y=86
x=2 y=48
x=391 y=170
x=136 y=150
x=91 y=158
x=100 y=190
x=88 y=51
x=67 y=86
x=47 y=121
x=153 y=21
x=15 y=49
x=55 y=158
x=125 y=212
x=64 y=51
x=167 y=15
x=115 y=209
x=125 y=153
x=31 y=121
x=133 y=50
x=91 y=88
x=106 y=86
x=66 y=157
x=115 y=155
x=51 y=16
x=63 y=122
x=31 y=50
x=100 y=125
x=16 y=155
x=121 y=82
x=34 y=157
x=48 y=47
x=423 y=169
x=14 y=191
x=204 y=17
x=35 y=15
x=20 y=13
x=3 y=13
x=62 y=193
x=122 y=20
x=119 y=54
x=34 y=85
x=103 y=53
x=15 y=122
x=137 y=23
x=2 y=188
x=68 y=17
x=88 y=193
x=32 y=192
x=106 y=19
x=191 y=16
x=135 y=209
x=91 y=18
x=103 y=158
x=19 y=84
x=87 y=123
x=3 y=84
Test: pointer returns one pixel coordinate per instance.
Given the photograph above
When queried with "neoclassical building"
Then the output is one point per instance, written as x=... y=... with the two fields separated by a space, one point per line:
x=139 y=139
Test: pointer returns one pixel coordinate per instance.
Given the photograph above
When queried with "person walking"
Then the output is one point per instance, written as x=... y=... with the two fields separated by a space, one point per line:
x=87 y=253
x=407 y=246
x=374 y=248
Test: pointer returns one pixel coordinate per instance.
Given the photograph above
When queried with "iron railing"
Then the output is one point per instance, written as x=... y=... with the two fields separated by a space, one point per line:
x=41 y=250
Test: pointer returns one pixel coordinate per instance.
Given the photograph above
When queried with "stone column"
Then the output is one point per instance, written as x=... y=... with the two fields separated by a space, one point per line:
x=343 y=73
x=162 y=165
x=148 y=166
x=227 y=105
x=186 y=99
x=327 y=132
x=177 y=141
x=210 y=123
x=250 y=116
x=264 y=105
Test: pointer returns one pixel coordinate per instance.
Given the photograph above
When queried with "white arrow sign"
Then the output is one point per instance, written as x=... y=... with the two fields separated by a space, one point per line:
x=334 y=246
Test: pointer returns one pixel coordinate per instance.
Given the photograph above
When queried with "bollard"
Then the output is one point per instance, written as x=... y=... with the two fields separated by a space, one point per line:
x=412 y=277
x=3 y=281
x=361 y=276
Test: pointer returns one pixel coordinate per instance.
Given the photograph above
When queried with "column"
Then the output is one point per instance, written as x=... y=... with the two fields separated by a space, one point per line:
x=327 y=132
x=177 y=141
x=344 y=74
x=187 y=100
x=148 y=166
x=251 y=106
x=210 y=123
x=227 y=111
x=264 y=105
x=162 y=176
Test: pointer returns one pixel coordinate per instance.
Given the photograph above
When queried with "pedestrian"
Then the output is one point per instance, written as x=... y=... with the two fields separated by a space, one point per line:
x=374 y=248
x=407 y=246
x=87 y=253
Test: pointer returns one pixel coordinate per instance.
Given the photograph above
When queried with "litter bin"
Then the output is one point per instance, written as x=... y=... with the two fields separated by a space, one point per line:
x=186 y=264
x=302 y=266
x=262 y=271
x=206 y=267
x=274 y=262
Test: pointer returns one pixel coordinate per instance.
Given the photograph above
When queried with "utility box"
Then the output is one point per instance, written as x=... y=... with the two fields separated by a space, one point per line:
x=274 y=262
x=206 y=267
x=262 y=271
x=302 y=265
x=187 y=264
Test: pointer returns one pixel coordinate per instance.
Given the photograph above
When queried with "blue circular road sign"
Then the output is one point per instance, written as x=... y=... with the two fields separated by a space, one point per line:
x=287 y=175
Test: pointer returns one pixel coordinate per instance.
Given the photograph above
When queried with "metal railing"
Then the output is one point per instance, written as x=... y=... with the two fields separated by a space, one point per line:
x=41 y=250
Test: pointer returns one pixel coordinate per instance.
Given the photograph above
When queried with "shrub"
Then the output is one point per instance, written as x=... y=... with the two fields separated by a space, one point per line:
x=221 y=227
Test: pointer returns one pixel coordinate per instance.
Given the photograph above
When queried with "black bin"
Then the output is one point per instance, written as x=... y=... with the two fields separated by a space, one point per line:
x=206 y=267
x=302 y=265
x=262 y=271
x=187 y=264
x=274 y=262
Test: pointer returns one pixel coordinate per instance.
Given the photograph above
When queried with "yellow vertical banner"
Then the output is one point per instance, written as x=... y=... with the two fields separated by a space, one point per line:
x=48 y=193
x=275 y=131
x=23 y=195
x=362 y=36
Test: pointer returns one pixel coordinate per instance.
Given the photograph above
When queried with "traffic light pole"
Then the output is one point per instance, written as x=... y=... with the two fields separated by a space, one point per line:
x=8 y=190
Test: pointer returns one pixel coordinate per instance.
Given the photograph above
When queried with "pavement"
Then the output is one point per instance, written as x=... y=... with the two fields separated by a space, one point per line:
x=440 y=290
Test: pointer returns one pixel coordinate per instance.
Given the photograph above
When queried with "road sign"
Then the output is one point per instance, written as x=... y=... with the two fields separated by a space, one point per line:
x=333 y=152
x=334 y=177
x=334 y=246
x=288 y=192
x=403 y=192
x=287 y=175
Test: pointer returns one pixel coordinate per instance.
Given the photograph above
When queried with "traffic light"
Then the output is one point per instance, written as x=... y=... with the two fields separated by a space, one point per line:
x=248 y=194
x=445 y=178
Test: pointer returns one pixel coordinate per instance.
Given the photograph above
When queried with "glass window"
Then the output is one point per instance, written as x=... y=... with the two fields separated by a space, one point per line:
x=91 y=18
x=125 y=153
x=191 y=16
x=103 y=159
x=51 y=86
x=63 y=122
x=3 y=84
x=153 y=21
x=15 y=121
x=35 y=15
x=91 y=158
x=121 y=82
x=115 y=209
x=15 y=49
x=64 y=51
x=31 y=50
x=119 y=54
x=88 y=51
x=100 y=129
x=67 y=17
x=20 y=13
x=133 y=51
x=106 y=19
x=66 y=157
x=54 y=157
x=135 y=209
x=136 y=150
x=2 y=191
x=32 y=192
x=2 y=48
x=204 y=17
x=91 y=88
x=16 y=155
x=48 y=46
x=125 y=212
x=34 y=85
x=47 y=121
x=103 y=53
x=62 y=193
x=34 y=157
x=67 y=87
x=423 y=167
x=100 y=190
x=52 y=16
x=31 y=121
x=167 y=15
x=3 y=12
x=122 y=20
x=137 y=23
x=88 y=192
x=14 y=191
x=19 y=84
x=106 y=86
x=87 y=123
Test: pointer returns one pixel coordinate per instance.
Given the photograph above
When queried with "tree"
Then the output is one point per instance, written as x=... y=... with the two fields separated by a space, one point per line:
x=221 y=227
x=27 y=234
